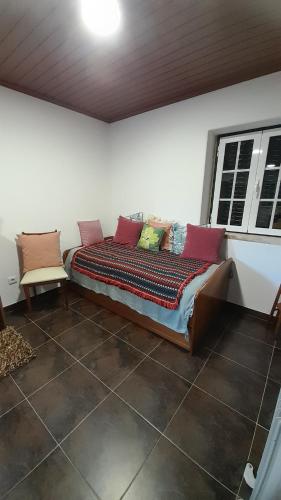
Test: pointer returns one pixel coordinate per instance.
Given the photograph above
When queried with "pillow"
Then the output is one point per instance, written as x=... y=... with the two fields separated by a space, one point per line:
x=179 y=237
x=151 y=238
x=90 y=232
x=203 y=243
x=167 y=226
x=40 y=250
x=138 y=216
x=128 y=231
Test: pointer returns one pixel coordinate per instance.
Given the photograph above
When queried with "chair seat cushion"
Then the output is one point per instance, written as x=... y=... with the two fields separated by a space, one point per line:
x=43 y=274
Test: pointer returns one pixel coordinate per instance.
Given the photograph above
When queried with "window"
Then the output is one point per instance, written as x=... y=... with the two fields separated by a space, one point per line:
x=247 y=194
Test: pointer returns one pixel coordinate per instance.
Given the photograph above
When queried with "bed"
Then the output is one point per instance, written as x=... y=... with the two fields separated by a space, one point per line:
x=182 y=315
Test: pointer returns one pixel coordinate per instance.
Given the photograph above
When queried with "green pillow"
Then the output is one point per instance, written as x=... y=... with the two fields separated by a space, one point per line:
x=151 y=237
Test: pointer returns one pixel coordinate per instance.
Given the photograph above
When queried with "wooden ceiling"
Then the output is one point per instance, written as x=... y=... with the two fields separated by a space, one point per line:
x=166 y=51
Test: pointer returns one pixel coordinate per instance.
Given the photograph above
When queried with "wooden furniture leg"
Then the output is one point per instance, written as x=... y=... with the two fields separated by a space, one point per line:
x=275 y=301
x=276 y=308
x=27 y=297
x=64 y=291
x=2 y=317
x=278 y=320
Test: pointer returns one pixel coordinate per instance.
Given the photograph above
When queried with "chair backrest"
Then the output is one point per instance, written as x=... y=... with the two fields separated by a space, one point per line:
x=39 y=234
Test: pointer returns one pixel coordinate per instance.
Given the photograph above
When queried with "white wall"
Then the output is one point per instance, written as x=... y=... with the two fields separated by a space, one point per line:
x=53 y=172
x=158 y=164
x=57 y=167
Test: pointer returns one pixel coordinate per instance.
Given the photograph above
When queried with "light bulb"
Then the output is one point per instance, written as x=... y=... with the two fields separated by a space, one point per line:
x=102 y=17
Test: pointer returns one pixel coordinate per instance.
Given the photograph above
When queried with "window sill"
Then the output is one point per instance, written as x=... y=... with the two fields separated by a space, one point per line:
x=256 y=238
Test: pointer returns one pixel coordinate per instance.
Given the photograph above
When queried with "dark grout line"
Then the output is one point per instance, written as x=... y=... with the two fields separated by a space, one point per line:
x=163 y=435
x=78 y=360
x=58 y=308
x=84 y=315
x=145 y=356
x=28 y=473
x=225 y=404
x=172 y=371
x=75 y=361
x=237 y=363
x=91 y=319
x=68 y=328
x=250 y=337
x=161 y=340
x=14 y=406
x=112 y=391
x=198 y=465
x=57 y=446
x=51 y=380
x=257 y=420
x=10 y=409
x=262 y=427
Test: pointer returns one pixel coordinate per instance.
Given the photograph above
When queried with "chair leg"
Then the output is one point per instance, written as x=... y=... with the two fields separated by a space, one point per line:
x=27 y=297
x=64 y=291
x=275 y=302
x=278 y=324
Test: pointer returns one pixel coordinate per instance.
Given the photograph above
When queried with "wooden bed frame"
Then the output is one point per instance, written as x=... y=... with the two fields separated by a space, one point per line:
x=209 y=300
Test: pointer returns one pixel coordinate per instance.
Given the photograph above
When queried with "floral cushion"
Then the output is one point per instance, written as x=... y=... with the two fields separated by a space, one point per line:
x=167 y=226
x=150 y=238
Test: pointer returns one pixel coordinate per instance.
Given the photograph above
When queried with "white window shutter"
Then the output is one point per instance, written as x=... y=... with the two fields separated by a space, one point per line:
x=235 y=178
x=265 y=215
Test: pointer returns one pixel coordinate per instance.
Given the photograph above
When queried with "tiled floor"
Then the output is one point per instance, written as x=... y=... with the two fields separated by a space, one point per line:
x=107 y=410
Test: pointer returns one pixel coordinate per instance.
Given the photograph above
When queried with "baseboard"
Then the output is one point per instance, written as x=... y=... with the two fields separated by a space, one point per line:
x=229 y=305
x=20 y=303
x=242 y=309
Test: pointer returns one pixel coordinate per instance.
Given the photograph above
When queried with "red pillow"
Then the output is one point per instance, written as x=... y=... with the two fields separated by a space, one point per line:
x=128 y=231
x=203 y=243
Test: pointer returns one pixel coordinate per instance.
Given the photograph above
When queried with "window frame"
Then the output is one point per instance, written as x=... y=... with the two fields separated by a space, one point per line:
x=254 y=185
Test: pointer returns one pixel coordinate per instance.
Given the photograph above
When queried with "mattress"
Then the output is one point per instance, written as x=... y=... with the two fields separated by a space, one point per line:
x=175 y=319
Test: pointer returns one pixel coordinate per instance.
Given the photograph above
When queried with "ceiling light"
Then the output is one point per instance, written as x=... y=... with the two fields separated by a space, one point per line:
x=102 y=17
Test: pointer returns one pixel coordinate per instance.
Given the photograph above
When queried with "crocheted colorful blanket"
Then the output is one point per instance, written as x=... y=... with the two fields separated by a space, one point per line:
x=159 y=277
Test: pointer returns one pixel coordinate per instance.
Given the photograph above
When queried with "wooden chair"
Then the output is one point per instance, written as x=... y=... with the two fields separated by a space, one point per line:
x=276 y=311
x=43 y=276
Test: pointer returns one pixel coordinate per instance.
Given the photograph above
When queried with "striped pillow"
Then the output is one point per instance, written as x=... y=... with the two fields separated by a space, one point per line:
x=179 y=237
